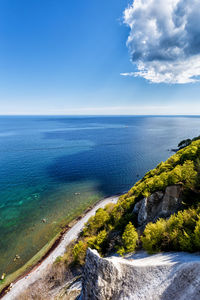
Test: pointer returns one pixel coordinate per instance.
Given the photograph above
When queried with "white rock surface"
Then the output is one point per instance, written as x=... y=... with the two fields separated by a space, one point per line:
x=165 y=276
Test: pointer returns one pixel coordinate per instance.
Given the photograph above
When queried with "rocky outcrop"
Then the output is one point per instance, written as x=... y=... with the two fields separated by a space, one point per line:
x=70 y=291
x=142 y=277
x=159 y=205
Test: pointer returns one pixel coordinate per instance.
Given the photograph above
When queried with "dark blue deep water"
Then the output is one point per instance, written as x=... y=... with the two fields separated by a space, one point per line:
x=44 y=161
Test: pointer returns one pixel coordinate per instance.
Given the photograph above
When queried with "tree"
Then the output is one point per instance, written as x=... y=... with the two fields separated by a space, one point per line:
x=129 y=239
x=95 y=242
x=189 y=174
x=184 y=143
x=79 y=252
x=153 y=236
x=95 y=223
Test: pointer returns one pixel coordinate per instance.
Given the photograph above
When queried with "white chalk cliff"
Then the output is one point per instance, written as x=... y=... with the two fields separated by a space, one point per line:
x=165 y=276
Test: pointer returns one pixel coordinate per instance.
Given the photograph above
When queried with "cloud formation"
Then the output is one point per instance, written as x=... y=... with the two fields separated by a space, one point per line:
x=164 y=40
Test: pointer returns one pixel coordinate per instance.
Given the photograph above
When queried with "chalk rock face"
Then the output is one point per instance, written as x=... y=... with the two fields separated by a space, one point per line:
x=171 y=200
x=98 y=277
x=158 y=205
x=158 y=277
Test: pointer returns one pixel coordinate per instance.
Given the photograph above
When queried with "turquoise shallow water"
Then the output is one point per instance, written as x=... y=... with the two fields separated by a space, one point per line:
x=44 y=161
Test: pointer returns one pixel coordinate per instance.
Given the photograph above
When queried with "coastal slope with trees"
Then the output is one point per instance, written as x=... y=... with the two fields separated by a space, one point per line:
x=115 y=228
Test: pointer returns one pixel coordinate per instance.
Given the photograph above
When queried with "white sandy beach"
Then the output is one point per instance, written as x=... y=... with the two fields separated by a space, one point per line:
x=69 y=236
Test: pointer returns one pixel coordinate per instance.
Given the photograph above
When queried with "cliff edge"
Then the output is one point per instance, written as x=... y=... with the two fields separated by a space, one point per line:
x=163 y=276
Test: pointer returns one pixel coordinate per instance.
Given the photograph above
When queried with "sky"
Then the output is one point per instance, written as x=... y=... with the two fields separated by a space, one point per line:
x=92 y=57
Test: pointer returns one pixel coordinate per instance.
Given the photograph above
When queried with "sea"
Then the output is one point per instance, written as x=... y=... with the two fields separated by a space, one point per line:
x=53 y=167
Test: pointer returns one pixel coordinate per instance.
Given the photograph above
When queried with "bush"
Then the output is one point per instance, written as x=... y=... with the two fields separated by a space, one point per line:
x=184 y=143
x=129 y=239
x=179 y=233
x=58 y=260
x=95 y=223
x=96 y=242
x=153 y=236
x=79 y=252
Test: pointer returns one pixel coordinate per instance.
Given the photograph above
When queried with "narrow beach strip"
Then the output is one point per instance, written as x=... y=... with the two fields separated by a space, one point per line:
x=36 y=273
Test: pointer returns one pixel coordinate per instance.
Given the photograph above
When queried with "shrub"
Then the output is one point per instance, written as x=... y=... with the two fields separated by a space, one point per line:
x=179 y=233
x=185 y=241
x=96 y=242
x=58 y=260
x=95 y=223
x=129 y=239
x=153 y=236
x=79 y=252
x=189 y=174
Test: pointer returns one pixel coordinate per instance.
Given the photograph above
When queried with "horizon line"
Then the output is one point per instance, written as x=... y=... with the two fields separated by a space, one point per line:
x=98 y=115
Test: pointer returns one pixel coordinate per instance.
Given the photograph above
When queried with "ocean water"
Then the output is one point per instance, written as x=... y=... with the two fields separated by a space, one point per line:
x=45 y=161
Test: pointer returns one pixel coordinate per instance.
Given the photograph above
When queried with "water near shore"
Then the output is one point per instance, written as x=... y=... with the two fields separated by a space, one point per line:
x=52 y=168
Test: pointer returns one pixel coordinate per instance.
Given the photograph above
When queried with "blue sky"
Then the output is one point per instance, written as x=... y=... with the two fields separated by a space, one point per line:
x=66 y=57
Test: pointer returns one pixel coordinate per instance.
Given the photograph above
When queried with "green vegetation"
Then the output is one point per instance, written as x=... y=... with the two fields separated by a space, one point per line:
x=58 y=260
x=187 y=142
x=3 y=278
x=180 y=232
x=96 y=222
x=79 y=252
x=129 y=239
x=98 y=241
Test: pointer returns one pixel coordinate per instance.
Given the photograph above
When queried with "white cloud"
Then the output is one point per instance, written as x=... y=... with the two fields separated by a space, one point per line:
x=164 y=40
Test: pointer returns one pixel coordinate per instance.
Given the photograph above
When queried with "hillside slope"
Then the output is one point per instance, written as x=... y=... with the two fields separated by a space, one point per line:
x=172 y=186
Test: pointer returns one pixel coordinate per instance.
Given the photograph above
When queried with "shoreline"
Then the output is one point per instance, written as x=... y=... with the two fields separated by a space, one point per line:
x=67 y=235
